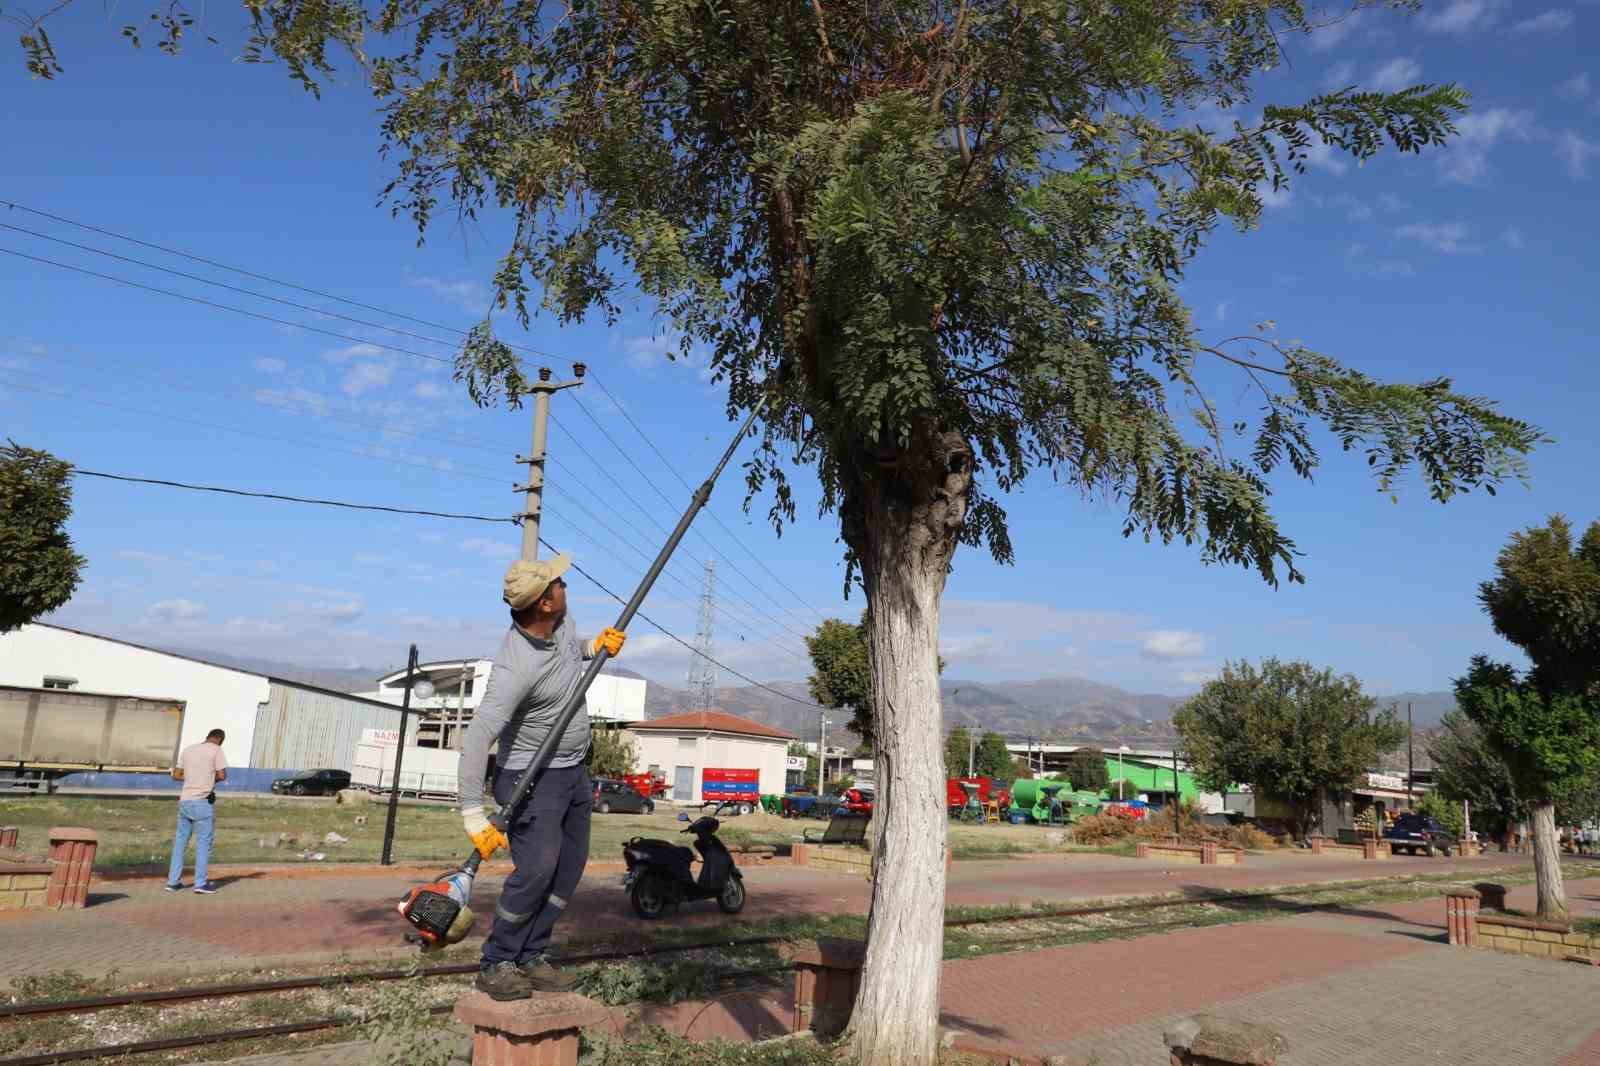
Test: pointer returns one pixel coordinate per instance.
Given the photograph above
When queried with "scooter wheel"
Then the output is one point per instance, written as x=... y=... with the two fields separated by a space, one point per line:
x=649 y=897
x=731 y=899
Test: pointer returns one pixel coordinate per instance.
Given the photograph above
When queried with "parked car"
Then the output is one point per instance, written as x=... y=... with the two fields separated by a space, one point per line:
x=620 y=797
x=313 y=783
x=1420 y=835
x=857 y=800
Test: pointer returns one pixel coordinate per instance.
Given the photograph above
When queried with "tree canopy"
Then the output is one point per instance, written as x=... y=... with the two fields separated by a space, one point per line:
x=1468 y=769
x=994 y=759
x=841 y=673
x=957 y=749
x=1545 y=725
x=1287 y=730
x=39 y=571
x=1086 y=769
x=612 y=752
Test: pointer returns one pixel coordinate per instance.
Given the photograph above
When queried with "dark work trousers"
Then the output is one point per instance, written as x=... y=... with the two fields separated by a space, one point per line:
x=550 y=846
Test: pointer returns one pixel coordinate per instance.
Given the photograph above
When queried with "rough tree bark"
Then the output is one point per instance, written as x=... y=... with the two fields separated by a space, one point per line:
x=1547 y=864
x=902 y=518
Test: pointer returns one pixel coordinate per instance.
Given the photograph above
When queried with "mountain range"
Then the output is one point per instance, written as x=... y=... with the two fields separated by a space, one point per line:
x=1057 y=709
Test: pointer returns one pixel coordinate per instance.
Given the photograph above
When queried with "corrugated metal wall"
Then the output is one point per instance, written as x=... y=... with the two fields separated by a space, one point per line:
x=311 y=729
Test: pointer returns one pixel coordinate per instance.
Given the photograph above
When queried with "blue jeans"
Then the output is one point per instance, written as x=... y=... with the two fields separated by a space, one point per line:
x=197 y=817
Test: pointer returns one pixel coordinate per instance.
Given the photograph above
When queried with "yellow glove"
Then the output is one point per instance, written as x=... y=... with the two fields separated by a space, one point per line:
x=485 y=836
x=610 y=639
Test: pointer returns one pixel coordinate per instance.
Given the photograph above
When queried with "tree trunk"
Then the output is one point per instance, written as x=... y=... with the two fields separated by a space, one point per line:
x=902 y=520
x=1547 y=864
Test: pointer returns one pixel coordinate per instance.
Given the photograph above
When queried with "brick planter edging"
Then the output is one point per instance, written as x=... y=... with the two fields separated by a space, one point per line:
x=1206 y=854
x=541 y=1031
x=23 y=885
x=827 y=977
x=1367 y=849
x=1471 y=926
x=72 y=851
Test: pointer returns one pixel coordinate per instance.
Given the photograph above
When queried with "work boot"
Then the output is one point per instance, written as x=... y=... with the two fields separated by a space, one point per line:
x=543 y=977
x=503 y=981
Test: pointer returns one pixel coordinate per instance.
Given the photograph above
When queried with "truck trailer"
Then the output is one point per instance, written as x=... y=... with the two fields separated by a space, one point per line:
x=45 y=733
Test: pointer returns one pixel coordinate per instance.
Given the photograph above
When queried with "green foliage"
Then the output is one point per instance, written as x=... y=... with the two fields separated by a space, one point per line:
x=841 y=675
x=671 y=981
x=1447 y=811
x=993 y=758
x=938 y=243
x=1546 y=600
x=39 y=571
x=1086 y=768
x=1288 y=730
x=1469 y=770
x=400 y=1027
x=957 y=750
x=612 y=752
x=59 y=984
x=657 y=1047
x=1548 y=741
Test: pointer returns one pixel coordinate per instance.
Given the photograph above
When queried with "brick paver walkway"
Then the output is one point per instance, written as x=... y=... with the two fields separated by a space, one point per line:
x=265 y=917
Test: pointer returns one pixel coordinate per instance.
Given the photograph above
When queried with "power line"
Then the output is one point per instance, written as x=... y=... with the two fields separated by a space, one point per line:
x=284 y=498
x=347 y=337
x=691 y=649
x=226 y=307
x=714 y=517
x=225 y=285
x=252 y=274
x=80 y=472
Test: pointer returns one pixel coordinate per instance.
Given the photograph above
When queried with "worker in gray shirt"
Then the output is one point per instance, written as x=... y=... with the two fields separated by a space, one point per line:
x=536 y=671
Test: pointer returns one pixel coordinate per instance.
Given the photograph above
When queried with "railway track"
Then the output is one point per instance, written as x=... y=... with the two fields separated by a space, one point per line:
x=229 y=991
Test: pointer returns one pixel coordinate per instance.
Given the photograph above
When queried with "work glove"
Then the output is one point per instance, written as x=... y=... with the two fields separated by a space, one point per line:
x=484 y=834
x=610 y=639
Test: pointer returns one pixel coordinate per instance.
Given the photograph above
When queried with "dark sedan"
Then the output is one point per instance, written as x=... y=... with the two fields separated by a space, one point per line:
x=621 y=797
x=313 y=783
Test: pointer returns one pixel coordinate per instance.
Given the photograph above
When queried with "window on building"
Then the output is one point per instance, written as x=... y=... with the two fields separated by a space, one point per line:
x=60 y=682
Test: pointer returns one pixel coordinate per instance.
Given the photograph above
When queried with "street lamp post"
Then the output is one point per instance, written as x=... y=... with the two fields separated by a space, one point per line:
x=1121 y=776
x=424 y=691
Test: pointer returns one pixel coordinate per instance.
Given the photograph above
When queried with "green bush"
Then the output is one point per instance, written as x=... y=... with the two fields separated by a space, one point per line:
x=1449 y=814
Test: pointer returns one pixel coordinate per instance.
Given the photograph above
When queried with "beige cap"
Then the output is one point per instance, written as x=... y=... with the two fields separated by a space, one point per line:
x=527 y=579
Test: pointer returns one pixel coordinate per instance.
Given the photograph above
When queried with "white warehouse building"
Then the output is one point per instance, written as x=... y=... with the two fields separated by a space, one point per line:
x=270 y=722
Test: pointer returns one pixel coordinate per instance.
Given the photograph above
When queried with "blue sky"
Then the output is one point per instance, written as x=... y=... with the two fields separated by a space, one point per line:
x=1477 y=262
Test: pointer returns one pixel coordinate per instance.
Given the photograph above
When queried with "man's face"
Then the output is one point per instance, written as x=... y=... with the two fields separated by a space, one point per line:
x=553 y=604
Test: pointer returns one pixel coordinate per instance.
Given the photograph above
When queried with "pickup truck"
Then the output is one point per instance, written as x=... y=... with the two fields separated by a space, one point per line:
x=1420 y=835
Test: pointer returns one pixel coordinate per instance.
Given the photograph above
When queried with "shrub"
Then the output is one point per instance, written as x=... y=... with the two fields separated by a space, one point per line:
x=1130 y=791
x=1250 y=838
x=1108 y=827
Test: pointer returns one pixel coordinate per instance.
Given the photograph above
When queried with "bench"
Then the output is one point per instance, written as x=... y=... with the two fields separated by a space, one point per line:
x=842 y=829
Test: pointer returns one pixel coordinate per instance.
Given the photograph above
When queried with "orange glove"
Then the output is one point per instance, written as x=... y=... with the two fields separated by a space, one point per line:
x=485 y=836
x=610 y=639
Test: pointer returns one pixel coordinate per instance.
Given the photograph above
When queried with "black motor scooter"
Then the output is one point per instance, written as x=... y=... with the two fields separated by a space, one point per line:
x=659 y=875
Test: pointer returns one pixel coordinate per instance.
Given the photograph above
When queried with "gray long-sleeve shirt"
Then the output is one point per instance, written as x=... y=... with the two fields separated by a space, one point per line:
x=530 y=682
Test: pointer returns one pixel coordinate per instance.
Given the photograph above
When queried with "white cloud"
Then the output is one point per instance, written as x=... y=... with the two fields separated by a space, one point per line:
x=1459 y=16
x=1395 y=75
x=1331 y=32
x=1196 y=677
x=489 y=549
x=175 y=610
x=1223 y=308
x=1354 y=208
x=363 y=377
x=469 y=295
x=1444 y=237
x=1553 y=21
x=1390 y=202
x=137 y=556
x=1173 y=644
x=353 y=351
x=269 y=365
x=643 y=353
x=1340 y=75
x=341 y=611
x=428 y=390
x=316 y=402
x=1513 y=237
x=1397 y=267
x=1322 y=155
x=1467 y=158
x=1576 y=87
x=1577 y=151
x=1271 y=197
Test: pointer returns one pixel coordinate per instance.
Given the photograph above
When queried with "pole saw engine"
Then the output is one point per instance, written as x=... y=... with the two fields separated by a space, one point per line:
x=438 y=910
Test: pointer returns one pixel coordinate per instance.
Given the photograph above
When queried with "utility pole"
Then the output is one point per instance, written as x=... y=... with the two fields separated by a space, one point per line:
x=822 y=752
x=972 y=743
x=543 y=389
x=1411 y=769
x=461 y=707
